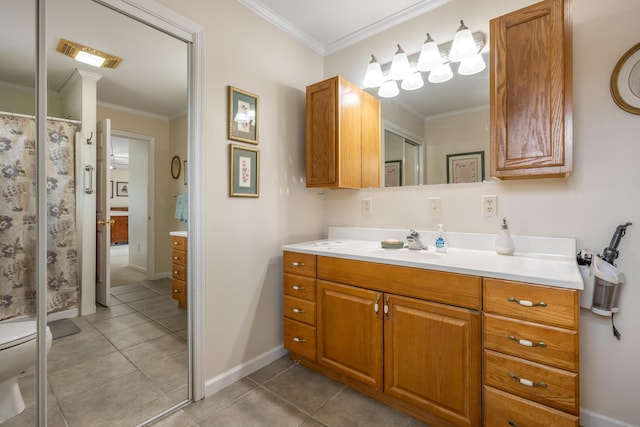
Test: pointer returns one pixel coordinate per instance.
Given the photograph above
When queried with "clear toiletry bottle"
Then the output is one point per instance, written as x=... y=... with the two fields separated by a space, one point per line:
x=504 y=242
x=441 y=239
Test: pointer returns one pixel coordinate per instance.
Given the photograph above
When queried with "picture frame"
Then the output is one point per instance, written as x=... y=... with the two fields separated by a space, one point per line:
x=625 y=81
x=243 y=116
x=465 y=167
x=122 y=189
x=111 y=192
x=244 y=171
x=175 y=167
x=393 y=173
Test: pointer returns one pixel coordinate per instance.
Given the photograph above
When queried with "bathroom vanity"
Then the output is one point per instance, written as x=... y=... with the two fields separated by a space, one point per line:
x=446 y=337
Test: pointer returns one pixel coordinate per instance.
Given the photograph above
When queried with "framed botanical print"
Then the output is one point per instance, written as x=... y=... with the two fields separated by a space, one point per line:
x=465 y=167
x=243 y=116
x=244 y=171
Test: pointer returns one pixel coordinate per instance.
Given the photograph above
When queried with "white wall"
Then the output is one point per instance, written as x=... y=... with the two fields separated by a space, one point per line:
x=138 y=203
x=600 y=194
x=118 y=175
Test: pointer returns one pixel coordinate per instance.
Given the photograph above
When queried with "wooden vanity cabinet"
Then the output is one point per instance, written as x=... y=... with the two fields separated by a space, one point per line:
x=179 y=270
x=531 y=92
x=531 y=354
x=300 y=304
x=343 y=136
x=416 y=355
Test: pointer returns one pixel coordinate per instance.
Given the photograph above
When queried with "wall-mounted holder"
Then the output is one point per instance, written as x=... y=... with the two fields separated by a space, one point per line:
x=88 y=171
x=89 y=140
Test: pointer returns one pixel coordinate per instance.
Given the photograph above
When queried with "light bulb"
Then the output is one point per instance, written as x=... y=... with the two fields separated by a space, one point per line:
x=463 y=45
x=413 y=81
x=373 y=77
x=472 y=65
x=441 y=74
x=430 y=56
x=400 y=67
x=389 y=89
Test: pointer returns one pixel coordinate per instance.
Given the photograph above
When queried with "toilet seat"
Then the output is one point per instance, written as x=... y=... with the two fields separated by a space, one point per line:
x=16 y=333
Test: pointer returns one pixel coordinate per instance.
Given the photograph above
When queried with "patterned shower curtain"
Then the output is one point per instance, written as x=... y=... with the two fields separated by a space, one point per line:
x=18 y=216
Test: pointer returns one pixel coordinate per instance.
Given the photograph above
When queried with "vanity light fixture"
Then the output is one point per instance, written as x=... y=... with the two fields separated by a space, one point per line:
x=400 y=67
x=87 y=55
x=464 y=46
x=433 y=58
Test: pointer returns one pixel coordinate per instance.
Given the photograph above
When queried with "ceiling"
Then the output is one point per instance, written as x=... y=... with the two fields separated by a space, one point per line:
x=152 y=77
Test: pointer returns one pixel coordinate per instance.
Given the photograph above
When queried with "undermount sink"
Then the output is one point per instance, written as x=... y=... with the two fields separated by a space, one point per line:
x=403 y=254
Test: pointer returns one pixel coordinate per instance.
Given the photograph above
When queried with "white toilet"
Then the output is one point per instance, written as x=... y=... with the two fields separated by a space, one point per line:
x=18 y=353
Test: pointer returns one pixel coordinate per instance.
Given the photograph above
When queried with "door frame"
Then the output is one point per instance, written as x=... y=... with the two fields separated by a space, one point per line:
x=150 y=141
x=171 y=22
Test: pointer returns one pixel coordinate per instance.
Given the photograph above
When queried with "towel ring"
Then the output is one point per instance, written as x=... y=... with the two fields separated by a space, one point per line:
x=175 y=167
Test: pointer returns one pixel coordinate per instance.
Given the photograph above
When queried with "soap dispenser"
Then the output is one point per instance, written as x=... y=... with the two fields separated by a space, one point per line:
x=441 y=239
x=504 y=242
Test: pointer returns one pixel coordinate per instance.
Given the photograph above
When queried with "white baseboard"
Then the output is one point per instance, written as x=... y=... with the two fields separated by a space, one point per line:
x=137 y=268
x=165 y=275
x=591 y=419
x=234 y=374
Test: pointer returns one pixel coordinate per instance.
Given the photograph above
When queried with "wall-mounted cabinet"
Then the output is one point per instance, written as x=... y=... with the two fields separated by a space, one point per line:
x=343 y=136
x=531 y=92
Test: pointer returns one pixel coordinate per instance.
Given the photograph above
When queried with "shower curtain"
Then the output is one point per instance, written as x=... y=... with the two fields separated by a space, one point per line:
x=18 y=216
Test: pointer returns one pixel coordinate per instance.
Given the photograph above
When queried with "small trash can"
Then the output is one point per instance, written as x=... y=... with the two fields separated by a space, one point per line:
x=606 y=289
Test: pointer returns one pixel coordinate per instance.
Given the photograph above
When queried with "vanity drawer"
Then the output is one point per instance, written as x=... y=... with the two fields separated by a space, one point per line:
x=300 y=338
x=545 y=344
x=503 y=409
x=533 y=303
x=550 y=386
x=301 y=264
x=179 y=242
x=179 y=272
x=179 y=257
x=179 y=291
x=300 y=287
x=300 y=309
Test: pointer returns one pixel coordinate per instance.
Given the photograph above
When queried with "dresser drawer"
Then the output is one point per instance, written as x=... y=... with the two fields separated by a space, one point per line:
x=179 y=257
x=300 y=309
x=503 y=409
x=545 y=344
x=300 y=338
x=179 y=272
x=533 y=303
x=550 y=386
x=301 y=264
x=178 y=290
x=300 y=287
x=179 y=242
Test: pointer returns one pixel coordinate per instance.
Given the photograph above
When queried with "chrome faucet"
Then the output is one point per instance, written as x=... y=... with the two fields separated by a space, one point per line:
x=413 y=241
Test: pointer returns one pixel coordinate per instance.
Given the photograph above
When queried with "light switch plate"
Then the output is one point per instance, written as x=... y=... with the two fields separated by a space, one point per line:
x=435 y=206
x=367 y=206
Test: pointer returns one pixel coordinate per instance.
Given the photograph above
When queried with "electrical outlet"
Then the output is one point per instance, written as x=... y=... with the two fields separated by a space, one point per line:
x=435 y=206
x=490 y=205
x=367 y=206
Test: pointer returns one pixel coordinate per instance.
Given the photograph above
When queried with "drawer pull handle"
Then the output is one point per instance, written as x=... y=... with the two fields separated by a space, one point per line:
x=300 y=340
x=513 y=423
x=176 y=291
x=298 y=288
x=175 y=271
x=297 y=310
x=175 y=257
x=386 y=308
x=297 y=264
x=527 y=382
x=376 y=307
x=526 y=343
x=527 y=303
x=176 y=243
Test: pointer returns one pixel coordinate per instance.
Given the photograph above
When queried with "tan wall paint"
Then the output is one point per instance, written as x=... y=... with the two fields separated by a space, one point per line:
x=243 y=271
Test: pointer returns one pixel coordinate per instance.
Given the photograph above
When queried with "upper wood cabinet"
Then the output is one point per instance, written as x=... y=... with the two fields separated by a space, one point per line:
x=531 y=94
x=343 y=136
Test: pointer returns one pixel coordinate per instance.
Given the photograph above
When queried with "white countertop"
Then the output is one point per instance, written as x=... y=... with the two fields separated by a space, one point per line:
x=178 y=233
x=539 y=260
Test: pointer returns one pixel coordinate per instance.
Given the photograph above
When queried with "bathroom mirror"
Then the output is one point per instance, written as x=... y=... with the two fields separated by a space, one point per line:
x=443 y=118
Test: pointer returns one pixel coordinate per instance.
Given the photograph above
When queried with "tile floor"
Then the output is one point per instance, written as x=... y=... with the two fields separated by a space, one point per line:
x=286 y=394
x=128 y=363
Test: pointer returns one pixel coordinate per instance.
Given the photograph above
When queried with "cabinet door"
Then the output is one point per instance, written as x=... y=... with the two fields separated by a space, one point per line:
x=432 y=358
x=350 y=331
x=322 y=134
x=531 y=97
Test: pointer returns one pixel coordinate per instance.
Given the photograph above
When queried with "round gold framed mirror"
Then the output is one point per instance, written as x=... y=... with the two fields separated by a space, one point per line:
x=175 y=167
x=625 y=81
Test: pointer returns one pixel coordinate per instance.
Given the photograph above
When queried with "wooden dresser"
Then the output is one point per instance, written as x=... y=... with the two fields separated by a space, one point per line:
x=179 y=270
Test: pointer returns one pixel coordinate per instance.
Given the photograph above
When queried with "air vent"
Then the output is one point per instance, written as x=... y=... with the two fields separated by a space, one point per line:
x=73 y=49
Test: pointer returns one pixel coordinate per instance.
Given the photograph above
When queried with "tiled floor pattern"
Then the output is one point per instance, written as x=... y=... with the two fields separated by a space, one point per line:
x=121 y=273
x=128 y=363
x=285 y=394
